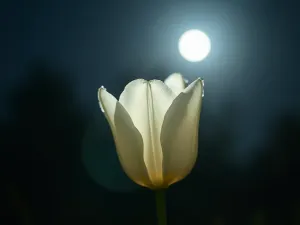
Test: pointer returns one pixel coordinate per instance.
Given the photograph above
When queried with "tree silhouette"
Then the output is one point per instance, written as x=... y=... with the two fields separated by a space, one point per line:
x=277 y=171
x=42 y=144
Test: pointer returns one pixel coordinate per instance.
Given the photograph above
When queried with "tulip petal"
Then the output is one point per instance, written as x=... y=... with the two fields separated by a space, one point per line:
x=175 y=82
x=128 y=140
x=179 y=136
x=147 y=102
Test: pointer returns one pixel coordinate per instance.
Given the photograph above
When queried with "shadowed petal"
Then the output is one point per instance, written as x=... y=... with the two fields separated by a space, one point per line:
x=179 y=136
x=127 y=138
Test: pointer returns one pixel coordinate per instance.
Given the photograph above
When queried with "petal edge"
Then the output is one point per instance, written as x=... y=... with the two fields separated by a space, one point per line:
x=128 y=140
x=179 y=137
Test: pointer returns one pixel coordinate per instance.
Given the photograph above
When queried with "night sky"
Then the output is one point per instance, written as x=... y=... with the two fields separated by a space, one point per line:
x=58 y=158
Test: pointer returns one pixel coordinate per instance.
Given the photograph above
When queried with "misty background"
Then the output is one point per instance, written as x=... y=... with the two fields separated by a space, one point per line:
x=58 y=159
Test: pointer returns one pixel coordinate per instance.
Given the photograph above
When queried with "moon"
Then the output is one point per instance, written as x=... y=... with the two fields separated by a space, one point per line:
x=194 y=45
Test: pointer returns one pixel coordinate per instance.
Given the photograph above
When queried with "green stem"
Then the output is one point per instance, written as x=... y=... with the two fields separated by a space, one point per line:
x=161 y=207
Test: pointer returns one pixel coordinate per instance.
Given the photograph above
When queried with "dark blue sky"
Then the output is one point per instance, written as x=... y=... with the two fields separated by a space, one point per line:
x=253 y=60
x=251 y=86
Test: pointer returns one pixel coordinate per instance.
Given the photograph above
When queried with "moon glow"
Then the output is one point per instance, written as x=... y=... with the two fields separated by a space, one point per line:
x=194 y=45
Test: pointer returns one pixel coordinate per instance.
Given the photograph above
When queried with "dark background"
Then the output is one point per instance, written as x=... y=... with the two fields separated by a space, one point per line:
x=58 y=160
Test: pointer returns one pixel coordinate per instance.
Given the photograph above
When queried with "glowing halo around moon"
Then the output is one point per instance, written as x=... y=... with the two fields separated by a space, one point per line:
x=194 y=45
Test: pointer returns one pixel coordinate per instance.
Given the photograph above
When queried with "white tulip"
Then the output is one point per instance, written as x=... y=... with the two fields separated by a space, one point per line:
x=155 y=128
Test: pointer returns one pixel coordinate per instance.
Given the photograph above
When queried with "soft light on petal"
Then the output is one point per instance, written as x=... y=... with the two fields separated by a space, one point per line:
x=179 y=136
x=176 y=83
x=147 y=102
x=127 y=138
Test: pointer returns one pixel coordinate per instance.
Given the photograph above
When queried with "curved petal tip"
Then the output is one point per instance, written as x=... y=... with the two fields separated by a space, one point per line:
x=102 y=88
x=176 y=82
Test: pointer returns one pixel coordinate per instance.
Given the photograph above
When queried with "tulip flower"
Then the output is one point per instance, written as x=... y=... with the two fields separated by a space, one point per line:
x=155 y=128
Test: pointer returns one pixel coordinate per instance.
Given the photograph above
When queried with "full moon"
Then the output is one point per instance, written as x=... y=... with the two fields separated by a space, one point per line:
x=194 y=45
